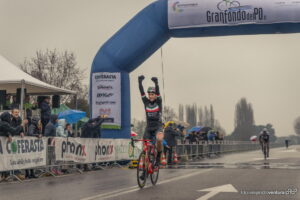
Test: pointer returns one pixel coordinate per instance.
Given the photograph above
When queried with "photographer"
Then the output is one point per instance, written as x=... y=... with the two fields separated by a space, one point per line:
x=92 y=128
x=171 y=133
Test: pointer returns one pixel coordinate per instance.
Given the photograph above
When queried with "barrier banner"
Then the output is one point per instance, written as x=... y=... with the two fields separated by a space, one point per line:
x=22 y=153
x=106 y=98
x=90 y=150
x=84 y=150
x=205 y=13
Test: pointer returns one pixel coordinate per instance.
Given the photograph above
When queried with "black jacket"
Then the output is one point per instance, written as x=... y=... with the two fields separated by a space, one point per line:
x=15 y=122
x=45 y=111
x=50 y=129
x=6 y=128
x=33 y=129
x=92 y=129
x=170 y=136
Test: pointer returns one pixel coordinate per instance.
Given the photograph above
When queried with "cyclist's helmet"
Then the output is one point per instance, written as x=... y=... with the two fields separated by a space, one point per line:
x=151 y=90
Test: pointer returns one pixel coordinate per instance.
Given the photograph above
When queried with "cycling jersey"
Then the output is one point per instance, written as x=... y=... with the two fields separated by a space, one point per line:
x=153 y=113
x=264 y=137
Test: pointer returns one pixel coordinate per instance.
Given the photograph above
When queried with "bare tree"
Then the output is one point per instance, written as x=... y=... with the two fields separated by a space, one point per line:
x=181 y=112
x=169 y=114
x=297 y=126
x=201 y=117
x=56 y=68
x=212 y=117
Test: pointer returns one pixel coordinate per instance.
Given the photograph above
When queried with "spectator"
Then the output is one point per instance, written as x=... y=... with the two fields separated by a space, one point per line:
x=182 y=133
x=92 y=129
x=50 y=129
x=45 y=113
x=211 y=135
x=171 y=133
x=17 y=121
x=69 y=131
x=60 y=130
x=8 y=131
x=28 y=108
x=192 y=138
x=35 y=131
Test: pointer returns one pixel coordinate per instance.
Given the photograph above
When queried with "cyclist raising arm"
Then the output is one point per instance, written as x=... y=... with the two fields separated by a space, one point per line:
x=153 y=108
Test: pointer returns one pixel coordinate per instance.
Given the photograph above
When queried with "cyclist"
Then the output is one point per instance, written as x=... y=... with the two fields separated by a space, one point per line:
x=264 y=137
x=153 y=108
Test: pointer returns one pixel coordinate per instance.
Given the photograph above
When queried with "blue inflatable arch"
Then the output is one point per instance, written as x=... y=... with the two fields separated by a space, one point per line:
x=147 y=32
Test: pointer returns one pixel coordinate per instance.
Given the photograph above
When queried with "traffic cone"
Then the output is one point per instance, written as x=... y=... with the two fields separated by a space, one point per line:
x=141 y=164
x=163 y=159
x=175 y=160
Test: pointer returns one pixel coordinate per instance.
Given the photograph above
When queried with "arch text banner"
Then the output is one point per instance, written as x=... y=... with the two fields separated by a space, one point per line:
x=207 y=13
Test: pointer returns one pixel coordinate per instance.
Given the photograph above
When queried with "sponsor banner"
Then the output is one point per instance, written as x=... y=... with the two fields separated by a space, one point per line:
x=106 y=98
x=22 y=153
x=125 y=151
x=74 y=149
x=206 y=13
x=104 y=150
x=90 y=150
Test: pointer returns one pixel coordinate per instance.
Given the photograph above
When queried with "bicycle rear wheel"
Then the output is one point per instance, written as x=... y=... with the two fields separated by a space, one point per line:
x=142 y=171
x=154 y=175
x=265 y=151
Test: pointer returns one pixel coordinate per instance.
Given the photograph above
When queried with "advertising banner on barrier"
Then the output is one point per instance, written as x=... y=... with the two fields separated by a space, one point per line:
x=90 y=150
x=22 y=153
x=106 y=99
x=205 y=13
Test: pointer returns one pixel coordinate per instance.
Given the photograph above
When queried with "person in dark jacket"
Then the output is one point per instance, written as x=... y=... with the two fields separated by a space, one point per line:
x=34 y=130
x=171 y=133
x=45 y=113
x=17 y=121
x=50 y=129
x=92 y=129
x=8 y=131
x=6 y=128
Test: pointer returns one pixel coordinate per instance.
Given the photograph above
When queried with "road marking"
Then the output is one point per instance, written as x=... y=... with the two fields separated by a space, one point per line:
x=136 y=188
x=215 y=190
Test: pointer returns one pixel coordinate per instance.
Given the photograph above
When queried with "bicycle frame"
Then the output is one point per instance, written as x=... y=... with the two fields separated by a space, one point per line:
x=148 y=148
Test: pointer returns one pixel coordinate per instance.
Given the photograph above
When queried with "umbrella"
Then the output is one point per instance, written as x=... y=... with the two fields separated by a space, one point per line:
x=71 y=116
x=205 y=129
x=195 y=129
x=133 y=134
x=253 y=138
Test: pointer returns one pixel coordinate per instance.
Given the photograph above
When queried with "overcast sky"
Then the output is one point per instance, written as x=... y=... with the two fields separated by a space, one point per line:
x=219 y=70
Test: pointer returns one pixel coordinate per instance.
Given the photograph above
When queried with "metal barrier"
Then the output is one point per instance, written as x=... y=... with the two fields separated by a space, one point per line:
x=190 y=151
x=208 y=149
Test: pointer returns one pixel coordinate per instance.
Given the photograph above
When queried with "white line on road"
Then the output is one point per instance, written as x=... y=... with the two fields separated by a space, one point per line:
x=136 y=188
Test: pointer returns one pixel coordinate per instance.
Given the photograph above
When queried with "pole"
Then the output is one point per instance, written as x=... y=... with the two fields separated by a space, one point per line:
x=22 y=98
x=76 y=107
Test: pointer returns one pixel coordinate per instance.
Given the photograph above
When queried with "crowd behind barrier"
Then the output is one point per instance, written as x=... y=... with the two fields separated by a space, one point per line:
x=54 y=155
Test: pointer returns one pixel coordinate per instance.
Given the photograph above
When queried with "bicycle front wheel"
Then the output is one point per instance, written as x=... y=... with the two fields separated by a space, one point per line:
x=154 y=175
x=142 y=171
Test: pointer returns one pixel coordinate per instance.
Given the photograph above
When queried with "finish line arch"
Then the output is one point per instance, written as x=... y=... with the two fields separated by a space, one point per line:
x=147 y=32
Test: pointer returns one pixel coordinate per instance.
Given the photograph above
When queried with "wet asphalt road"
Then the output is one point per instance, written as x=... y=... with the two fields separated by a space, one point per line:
x=240 y=173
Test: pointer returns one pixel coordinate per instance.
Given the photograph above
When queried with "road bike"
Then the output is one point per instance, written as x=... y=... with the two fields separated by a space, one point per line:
x=147 y=163
x=265 y=149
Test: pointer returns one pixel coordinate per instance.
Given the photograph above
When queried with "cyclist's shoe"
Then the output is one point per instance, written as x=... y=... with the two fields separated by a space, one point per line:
x=142 y=177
